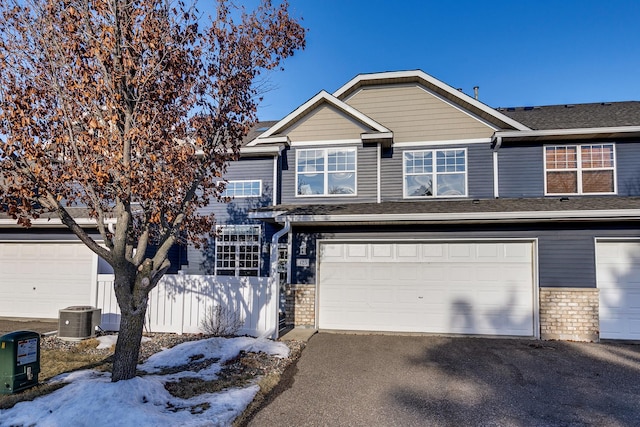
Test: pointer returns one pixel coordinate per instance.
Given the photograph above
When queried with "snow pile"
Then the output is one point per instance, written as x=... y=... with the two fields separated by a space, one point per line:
x=91 y=399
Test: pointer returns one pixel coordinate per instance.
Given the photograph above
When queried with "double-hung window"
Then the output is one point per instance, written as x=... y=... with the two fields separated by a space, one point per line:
x=326 y=172
x=240 y=189
x=580 y=169
x=238 y=250
x=435 y=173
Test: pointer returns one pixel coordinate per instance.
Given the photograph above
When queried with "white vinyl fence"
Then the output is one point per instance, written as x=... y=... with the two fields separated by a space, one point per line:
x=179 y=303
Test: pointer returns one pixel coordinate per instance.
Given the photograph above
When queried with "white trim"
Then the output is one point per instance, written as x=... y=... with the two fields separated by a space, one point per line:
x=93 y=295
x=269 y=140
x=272 y=150
x=274 y=195
x=496 y=185
x=617 y=239
x=378 y=173
x=444 y=142
x=562 y=132
x=53 y=222
x=337 y=142
x=579 y=169
x=519 y=216
x=326 y=172
x=424 y=77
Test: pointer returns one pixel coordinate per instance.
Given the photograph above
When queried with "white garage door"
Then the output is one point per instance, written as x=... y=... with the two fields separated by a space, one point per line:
x=38 y=279
x=452 y=287
x=618 y=278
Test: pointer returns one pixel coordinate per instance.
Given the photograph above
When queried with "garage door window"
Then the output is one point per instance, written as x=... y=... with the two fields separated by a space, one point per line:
x=435 y=173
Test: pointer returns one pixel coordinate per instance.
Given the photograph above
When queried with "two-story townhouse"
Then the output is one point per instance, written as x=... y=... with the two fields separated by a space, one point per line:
x=412 y=207
x=405 y=205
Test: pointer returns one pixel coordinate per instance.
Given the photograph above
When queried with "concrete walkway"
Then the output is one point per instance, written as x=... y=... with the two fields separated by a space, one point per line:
x=377 y=380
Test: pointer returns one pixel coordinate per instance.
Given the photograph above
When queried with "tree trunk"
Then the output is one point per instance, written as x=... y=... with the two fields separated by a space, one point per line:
x=128 y=345
x=132 y=298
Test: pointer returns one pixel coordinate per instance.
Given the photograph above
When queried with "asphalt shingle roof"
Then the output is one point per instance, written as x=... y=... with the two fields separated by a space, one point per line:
x=572 y=116
x=444 y=207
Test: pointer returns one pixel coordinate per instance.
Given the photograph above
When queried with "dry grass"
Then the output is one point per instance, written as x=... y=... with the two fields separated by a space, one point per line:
x=56 y=362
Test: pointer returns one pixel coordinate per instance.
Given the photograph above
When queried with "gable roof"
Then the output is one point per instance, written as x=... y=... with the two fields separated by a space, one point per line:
x=274 y=133
x=457 y=97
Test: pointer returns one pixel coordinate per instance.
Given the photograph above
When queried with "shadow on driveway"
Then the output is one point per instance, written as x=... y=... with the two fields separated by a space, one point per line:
x=364 y=380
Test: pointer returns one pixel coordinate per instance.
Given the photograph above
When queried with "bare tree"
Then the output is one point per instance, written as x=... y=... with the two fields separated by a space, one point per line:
x=132 y=109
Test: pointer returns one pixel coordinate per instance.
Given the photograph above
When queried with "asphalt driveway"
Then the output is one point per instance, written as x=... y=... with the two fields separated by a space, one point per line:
x=380 y=380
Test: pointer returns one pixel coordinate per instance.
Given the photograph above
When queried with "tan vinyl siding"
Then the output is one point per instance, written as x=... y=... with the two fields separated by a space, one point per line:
x=414 y=114
x=326 y=123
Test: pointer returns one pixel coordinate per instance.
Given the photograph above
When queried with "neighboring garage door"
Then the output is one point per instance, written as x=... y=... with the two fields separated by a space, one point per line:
x=618 y=278
x=444 y=287
x=38 y=279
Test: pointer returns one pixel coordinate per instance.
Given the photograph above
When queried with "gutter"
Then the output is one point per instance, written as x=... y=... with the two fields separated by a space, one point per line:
x=480 y=217
x=564 y=132
x=275 y=282
x=55 y=222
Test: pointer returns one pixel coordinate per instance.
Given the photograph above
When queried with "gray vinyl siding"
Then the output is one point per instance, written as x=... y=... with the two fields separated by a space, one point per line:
x=237 y=211
x=366 y=176
x=479 y=170
x=628 y=168
x=566 y=253
x=520 y=171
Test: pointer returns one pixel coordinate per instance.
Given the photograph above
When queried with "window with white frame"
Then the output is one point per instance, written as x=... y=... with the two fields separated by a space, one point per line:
x=238 y=250
x=326 y=172
x=435 y=173
x=239 y=189
x=580 y=169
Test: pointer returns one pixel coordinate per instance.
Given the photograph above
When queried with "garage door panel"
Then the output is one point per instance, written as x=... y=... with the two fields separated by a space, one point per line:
x=432 y=287
x=618 y=280
x=38 y=279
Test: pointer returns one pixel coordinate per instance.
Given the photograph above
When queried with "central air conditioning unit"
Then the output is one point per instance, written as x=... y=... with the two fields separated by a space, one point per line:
x=78 y=322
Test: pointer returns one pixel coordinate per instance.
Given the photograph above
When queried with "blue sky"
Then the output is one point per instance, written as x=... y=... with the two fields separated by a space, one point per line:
x=519 y=52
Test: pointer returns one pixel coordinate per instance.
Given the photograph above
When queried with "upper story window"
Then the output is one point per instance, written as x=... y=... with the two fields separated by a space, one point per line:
x=435 y=173
x=580 y=169
x=326 y=172
x=238 y=189
x=238 y=250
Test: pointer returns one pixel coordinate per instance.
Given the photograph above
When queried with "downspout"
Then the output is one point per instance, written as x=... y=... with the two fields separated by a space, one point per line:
x=496 y=147
x=275 y=280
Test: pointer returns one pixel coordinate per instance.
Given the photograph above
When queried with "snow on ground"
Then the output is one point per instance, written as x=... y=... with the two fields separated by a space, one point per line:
x=91 y=399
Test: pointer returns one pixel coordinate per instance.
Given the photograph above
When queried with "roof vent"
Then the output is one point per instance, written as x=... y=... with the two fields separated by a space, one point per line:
x=528 y=108
x=564 y=199
x=511 y=109
x=605 y=103
x=569 y=106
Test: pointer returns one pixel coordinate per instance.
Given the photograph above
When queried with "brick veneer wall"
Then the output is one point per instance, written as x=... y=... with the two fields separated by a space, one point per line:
x=569 y=314
x=300 y=305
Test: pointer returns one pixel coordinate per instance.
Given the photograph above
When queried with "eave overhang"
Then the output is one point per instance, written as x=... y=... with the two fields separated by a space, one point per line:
x=451 y=218
x=568 y=134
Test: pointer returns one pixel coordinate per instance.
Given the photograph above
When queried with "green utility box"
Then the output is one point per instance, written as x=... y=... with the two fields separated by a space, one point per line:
x=19 y=361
